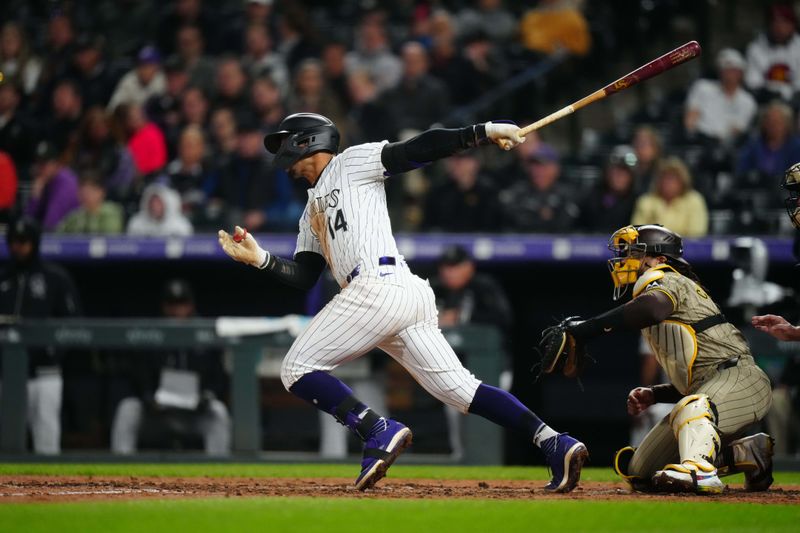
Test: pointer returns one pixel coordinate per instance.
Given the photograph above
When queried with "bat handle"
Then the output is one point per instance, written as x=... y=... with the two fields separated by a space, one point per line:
x=542 y=122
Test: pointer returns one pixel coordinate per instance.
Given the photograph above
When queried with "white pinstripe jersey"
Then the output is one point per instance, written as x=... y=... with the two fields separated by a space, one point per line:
x=346 y=219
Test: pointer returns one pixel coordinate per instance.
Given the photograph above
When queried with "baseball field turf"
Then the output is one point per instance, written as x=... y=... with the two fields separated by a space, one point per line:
x=243 y=497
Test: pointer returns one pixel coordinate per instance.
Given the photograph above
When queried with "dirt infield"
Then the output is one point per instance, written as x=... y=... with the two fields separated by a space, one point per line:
x=18 y=489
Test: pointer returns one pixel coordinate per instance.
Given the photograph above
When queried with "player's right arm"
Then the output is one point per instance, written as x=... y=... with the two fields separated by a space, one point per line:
x=439 y=143
x=301 y=273
x=777 y=326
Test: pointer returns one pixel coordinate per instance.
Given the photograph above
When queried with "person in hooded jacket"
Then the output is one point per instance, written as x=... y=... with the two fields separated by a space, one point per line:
x=159 y=214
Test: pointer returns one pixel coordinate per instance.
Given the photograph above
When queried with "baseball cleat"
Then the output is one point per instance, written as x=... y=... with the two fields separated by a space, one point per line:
x=688 y=477
x=753 y=456
x=566 y=462
x=380 y=451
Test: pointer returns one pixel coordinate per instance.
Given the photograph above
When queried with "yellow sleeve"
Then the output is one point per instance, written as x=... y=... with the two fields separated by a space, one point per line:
x=698 y=221
x=641 y=212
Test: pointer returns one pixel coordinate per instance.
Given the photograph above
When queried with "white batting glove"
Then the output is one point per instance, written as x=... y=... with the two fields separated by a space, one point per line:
x=506 y=136
x=242 y=247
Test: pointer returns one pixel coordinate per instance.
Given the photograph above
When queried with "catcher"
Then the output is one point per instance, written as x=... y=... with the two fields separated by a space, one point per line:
x=716 y=385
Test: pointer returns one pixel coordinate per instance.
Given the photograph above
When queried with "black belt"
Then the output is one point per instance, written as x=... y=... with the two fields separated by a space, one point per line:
x=385 y=260
x=708 y=322
x=730 y=363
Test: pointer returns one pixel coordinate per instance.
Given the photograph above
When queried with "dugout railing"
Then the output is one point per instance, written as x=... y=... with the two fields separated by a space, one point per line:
x=480 y=345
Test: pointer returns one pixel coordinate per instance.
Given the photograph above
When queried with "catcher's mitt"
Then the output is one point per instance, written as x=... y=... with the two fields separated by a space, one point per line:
x=560 y=351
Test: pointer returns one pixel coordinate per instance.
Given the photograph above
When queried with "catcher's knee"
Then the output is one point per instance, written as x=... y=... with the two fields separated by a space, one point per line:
x=689 y=409
x=693 y=421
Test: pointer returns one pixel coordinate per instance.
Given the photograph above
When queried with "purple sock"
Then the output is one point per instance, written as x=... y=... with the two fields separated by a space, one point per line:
x=329 y=394
x=504 y=409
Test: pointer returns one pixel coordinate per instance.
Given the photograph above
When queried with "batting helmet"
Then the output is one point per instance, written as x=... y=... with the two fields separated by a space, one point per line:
x=631 y=244
x=300 y=135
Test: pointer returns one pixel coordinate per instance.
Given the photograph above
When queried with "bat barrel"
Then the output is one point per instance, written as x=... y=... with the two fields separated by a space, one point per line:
x=672 y=59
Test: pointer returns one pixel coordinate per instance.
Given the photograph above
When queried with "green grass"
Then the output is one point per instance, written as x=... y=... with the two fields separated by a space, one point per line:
x=387 y=516
x=316 y=470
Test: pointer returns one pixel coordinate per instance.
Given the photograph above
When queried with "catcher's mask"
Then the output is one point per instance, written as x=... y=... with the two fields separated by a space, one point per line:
x=791 y=183
x=300 y=135
x=631 y=244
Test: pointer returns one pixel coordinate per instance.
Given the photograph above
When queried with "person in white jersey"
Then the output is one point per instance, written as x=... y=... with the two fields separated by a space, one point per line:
x=382 y=304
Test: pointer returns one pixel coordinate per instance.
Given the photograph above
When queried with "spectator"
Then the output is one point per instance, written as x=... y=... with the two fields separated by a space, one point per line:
x=261 y=60
x=296 y=43
x=773 y=58
x=190 y=53
x=310 y=93
x=267 y=104
x=373 y=54
x=54 y=193
x=185 y=13
x=539 y=203
x=144 y=140
x=159 y=214
x=17 y=61
x=368 y=119
x=648 y=147
x=464 y=202
x=464 y=297
x=16 y=134
x=97 y=148
x=60 y=44
x=143 y=82
x=189 y=171
x=673 y=202
x=478 y=70
x=335 y=71
x=489 y=17
x=194 y=108
x=66 y=118
x=247 y=185
x=765 y=157
x=31 y=288
x=178 y=391
x=609 y=205
x=419 y=100
x=555 y=25
x=443 y=50
x=125 y=24
x=721 y=110
x=231 y=87
x=256 y=13
x=165 y=109
x=95 y=216
x=223 y=135
x=93 y=75
x=8 y=186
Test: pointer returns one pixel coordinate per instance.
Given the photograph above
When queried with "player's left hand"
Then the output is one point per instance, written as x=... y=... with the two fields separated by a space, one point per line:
x=242 y=247
x=561 y=352
x=504 y=135
x=640 y=399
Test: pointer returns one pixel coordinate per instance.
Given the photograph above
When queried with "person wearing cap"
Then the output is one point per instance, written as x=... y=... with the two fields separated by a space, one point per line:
x=609 y=204
x=465 y=296
x=143 y=82
x=464 y=202
x=539 y=203
x=31 y=288
x=721 y=109
x=673 y=202
x=177 y=392
x=773 y=58
x=94 y=75
x=54 y=193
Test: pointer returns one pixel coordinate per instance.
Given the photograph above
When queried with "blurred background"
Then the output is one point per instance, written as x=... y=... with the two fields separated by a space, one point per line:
x=131 y=131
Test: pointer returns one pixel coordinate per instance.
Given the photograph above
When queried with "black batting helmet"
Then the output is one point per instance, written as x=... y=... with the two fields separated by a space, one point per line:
x=300 y=135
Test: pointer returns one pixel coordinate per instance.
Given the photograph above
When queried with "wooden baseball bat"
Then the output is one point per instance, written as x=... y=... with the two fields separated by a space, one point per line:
x=670 y=60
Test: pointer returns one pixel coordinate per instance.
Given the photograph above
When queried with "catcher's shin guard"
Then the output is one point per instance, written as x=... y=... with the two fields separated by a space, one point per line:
x=622 y=461
x=692 y=421
x=753 y=456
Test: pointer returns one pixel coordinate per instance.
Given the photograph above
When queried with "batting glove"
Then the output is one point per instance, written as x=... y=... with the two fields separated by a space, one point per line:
x=242 y=247
x=505 y=135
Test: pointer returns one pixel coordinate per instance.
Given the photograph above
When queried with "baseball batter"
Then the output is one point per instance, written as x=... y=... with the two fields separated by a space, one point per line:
x=382 y=304
x=717 y=387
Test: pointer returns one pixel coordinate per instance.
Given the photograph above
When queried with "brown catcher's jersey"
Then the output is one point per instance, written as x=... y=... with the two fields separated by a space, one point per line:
x=685 y=355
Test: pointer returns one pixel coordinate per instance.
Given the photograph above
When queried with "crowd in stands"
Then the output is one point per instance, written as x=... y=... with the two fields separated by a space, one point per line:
x=147 y=118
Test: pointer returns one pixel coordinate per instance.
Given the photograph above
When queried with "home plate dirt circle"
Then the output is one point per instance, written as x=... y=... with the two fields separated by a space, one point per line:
x=17 y=489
